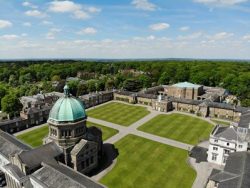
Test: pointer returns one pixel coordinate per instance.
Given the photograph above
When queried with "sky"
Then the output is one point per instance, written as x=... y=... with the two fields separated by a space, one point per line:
x=118 y=29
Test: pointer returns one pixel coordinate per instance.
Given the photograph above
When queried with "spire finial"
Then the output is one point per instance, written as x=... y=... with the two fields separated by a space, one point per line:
x=66 y=91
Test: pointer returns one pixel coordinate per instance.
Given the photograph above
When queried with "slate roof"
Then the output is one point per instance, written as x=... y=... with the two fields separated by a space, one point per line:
x=10 y=145
x=10 y=121
x=127 y=93
x=148 y=96
x=35 y=157
x=14 y=170
x=59 y=175
x=78 y=147
x=228 y=133
x=185 y=101
x=245 y=120
x=153 y=90
x=236 y=173
x=221 y=105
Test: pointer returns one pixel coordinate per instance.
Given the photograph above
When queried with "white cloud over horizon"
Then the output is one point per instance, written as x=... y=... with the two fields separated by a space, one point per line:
x=220 y=2
x=87 y=31
x=159 y=26
x=144 y=5
x=30 y=5
x=35 y=13
x=196 y=45
x=77 y=11
x=5 y=24
x=8 y=37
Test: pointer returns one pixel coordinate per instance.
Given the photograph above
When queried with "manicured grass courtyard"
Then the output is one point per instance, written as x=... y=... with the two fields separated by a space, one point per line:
x=119 y=113
x=179 y=127
x=106 y=132
x=35 y=137
x=143 y=163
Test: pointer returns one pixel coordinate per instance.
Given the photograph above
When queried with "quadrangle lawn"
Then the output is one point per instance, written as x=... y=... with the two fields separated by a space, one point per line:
x=143 y=163
x=119 y=113
x=183 y=128
x=35 y=137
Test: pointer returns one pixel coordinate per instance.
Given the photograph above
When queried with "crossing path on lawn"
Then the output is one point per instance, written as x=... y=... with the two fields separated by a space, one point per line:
x=132 y=129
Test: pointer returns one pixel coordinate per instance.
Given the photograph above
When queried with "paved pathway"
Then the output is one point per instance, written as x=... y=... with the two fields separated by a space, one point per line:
x=203 y=170
x=124 y=131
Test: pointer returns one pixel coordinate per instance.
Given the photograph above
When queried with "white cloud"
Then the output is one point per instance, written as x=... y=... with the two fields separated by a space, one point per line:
x=159 y=26
x=192 y=36
x=144 y=5
x=220 y=2
x=45 y=22
x=93 y=9
x=138 y=47
x=246 y=37
x=27 y=24
x=151 y=37
x=24 y=34
x=5 y=24
x=51 y=35
x=30 y=5
x=76 y=10
x=79 y=14
x=64 y=6
x=87 y=31
x=220 y=36
x=9 y=37
x=35 y=13
x=185 y=28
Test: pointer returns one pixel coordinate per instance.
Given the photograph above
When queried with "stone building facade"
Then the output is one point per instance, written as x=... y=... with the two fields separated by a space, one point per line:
x=125 y=96
x=184 y=90
x=70 y=148
x=97 y=98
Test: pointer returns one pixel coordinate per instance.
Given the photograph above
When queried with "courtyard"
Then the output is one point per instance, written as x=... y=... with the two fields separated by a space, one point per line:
x=183 y=128
x=35 y=137
x=118 y=113
x=145 y=163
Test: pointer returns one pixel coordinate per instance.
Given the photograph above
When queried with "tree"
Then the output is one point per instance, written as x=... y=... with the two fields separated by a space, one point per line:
x=82 y=89
x=73 y=85
x=2 y=93
x=145 y=81
x=100 y=86
x=132 y=85
x=92 y=85
x=56 y=78
x=11 y=104
x=110 y=84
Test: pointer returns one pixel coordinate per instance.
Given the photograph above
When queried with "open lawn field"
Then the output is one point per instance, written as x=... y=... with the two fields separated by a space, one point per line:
x=35 y=137
x=119 y=113
x=106 y=132
x=179 y=127
x=143 y=163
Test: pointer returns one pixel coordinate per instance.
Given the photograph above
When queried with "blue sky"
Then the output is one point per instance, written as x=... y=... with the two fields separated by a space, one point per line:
x=125 y=29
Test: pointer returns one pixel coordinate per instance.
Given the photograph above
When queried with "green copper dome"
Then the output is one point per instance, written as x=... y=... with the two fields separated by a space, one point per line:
x=67 y=109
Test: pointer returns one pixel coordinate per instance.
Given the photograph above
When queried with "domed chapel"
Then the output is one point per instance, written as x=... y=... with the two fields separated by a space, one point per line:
x=81 y=146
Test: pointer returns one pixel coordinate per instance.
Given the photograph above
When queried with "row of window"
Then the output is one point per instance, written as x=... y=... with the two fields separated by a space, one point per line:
x=87 y=162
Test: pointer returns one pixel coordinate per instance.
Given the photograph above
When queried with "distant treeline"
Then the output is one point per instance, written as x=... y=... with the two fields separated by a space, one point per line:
x=29 y=77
